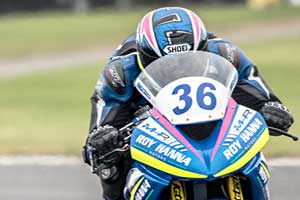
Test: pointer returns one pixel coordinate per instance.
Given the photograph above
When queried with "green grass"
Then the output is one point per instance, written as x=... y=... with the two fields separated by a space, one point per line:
x=49 y=113
x=46 y=113
x=57 y=32
x=279 y=64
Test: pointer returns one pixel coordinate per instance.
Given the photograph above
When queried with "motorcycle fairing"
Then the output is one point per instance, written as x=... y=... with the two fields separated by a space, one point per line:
x=258 y=173
x=144 y=182
x=153 y=145
x=235 y=140
x=244 y=137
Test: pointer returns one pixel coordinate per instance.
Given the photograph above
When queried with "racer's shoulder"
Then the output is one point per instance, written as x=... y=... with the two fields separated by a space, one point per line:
x=126 y=62
x=225 y=49
x=128 y=46
x=120 y=72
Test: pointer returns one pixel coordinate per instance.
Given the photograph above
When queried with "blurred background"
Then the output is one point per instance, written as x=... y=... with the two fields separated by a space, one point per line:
x=51 y=54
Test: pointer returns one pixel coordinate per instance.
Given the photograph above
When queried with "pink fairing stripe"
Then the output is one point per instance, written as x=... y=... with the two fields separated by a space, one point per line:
x=171 y=129
x=227 y=119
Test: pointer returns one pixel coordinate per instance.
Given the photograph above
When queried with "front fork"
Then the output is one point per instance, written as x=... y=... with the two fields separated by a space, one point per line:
x=235 y=190
x=231 y=188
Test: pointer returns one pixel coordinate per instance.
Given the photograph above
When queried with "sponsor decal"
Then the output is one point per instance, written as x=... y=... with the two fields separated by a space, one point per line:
x=177 y=48
x=169 y=149
x=177 y=191
x=230 y=52
x=232 y=149
x=241 y=121
x=246 y=139
x=133 y=177
x=142 y=190
x=173 y=154
x=264 y=173
x=247 y=134
x=115 y=76
x=145 y=141
x=152 y=128
x=143 y=90
x=237 y=126
x=235 y=188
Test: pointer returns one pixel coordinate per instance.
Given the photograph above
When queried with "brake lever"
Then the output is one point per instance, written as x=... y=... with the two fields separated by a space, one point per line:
x=105 y=157
x=90 y=154
x=277 y=132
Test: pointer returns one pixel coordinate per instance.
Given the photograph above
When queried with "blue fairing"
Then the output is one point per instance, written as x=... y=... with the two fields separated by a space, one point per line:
x=258 y=173
x=168 y=154
x=220 y=150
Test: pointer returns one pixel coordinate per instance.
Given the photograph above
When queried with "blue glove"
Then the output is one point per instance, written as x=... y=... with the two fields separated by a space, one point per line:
x=277 y=115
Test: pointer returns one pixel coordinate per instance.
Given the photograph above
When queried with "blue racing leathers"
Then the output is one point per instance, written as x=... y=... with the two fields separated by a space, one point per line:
x=115 y=99
x=115 y=94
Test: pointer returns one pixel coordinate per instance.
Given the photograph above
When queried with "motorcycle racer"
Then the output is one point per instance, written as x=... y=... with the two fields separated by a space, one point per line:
x=163 y=32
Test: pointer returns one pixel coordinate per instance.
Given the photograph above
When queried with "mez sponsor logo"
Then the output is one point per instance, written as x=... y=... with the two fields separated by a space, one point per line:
x=177 y=48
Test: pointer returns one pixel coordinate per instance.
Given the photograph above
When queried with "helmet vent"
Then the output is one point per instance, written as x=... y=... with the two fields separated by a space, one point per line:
x=174 y=17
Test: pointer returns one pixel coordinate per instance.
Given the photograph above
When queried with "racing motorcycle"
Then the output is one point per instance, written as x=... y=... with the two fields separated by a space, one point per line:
x=195 y=142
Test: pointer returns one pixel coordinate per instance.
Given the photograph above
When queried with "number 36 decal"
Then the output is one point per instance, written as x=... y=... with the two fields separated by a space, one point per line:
x=205 y=97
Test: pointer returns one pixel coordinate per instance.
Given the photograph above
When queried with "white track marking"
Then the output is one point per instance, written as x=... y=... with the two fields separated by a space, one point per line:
x=284 y=162
x=60 y=160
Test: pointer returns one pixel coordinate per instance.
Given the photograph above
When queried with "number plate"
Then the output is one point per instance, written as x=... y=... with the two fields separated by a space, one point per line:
x=193 y=99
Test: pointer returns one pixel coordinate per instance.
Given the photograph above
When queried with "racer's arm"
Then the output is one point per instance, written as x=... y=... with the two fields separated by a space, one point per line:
x=251 y=90
x=113 y=106
x=111 y=98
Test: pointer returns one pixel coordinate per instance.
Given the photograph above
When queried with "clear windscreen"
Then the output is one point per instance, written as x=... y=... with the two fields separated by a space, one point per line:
x=192 y=67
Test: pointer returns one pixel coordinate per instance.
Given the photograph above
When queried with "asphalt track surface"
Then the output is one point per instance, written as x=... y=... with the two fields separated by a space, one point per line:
x=75 y=182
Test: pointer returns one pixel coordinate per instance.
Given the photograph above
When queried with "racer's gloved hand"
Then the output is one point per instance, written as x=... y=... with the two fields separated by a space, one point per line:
x=277 y=115
x=103 y=141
